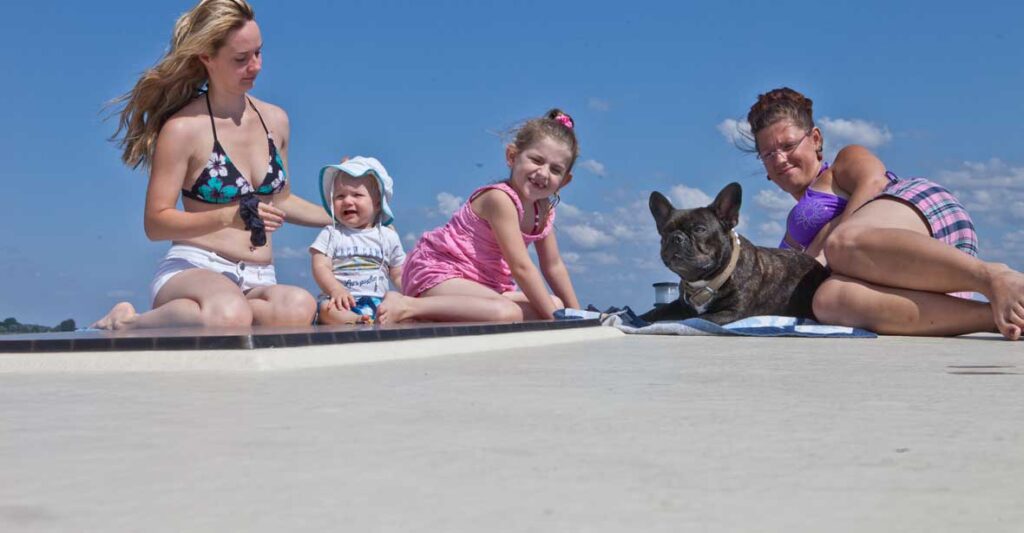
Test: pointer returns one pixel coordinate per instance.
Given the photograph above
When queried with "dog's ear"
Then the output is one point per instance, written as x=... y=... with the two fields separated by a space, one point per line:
x=727 y=204
x=661 y=208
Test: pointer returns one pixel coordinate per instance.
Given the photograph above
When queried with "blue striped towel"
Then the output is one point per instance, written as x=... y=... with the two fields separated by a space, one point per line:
x=756 y=326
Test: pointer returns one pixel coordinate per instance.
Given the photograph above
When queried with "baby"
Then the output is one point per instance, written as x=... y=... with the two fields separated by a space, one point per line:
x=354 y=258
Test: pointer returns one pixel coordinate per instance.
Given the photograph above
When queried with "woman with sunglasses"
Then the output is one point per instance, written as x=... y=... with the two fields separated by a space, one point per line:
x=903 y=252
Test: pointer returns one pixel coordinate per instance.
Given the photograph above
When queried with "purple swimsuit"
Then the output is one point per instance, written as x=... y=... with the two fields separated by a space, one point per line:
x=810 y=214
x=946 y=217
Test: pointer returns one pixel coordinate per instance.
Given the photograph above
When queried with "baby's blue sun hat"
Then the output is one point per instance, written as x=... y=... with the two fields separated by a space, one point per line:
x=358 y=167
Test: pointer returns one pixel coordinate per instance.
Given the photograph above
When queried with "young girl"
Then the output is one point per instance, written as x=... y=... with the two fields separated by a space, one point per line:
x=354 y=258
x=468 y=270
x=895 y=246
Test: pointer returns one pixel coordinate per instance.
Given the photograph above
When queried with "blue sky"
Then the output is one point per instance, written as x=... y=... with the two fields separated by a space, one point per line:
x=933 y=87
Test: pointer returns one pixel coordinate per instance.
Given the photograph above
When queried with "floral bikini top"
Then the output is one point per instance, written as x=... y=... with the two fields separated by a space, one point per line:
x=221 y=183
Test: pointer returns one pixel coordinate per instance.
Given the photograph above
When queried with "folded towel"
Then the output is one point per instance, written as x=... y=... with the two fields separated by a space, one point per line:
x=758 y=326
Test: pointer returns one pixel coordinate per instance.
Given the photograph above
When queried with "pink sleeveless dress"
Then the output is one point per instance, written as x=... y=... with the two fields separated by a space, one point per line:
x=465 y=248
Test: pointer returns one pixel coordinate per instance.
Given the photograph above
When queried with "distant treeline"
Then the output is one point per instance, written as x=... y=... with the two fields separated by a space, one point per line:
x=11 y=325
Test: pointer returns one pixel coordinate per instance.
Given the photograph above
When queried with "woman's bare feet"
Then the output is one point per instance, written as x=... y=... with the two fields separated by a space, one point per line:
x=120 y=315
x=395 y=308
x=1007 y=299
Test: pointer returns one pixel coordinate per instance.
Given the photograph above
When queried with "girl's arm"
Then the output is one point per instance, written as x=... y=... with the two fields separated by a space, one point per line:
x=395 y=254
x=162 y=218
x=861 y=174
x=296 y=209
x=396 y=277
x=497 y=209
x=555 y=272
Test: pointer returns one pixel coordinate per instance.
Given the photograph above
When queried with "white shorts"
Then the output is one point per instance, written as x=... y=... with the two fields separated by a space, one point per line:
x=182 y=257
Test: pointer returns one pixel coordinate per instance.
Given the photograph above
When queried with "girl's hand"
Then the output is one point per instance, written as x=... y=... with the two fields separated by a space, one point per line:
x=272 y=217
x=341 y=299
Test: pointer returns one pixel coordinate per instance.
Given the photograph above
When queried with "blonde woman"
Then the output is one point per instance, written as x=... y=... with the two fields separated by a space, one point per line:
x=225 y=153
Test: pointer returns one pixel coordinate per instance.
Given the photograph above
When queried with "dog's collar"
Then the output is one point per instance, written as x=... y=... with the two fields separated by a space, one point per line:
x=704 y=291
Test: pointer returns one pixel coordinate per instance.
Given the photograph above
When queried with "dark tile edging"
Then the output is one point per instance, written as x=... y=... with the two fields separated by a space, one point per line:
x=106 y=342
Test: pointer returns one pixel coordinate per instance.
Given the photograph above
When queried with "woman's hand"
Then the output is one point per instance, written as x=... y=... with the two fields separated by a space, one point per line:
x=272 y=217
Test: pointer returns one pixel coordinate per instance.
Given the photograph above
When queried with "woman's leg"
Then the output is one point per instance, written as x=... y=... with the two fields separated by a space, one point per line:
x=194 y=297
x=886 y=243
x=281 y=305
x=453 y=300
x=855 y=303
x=524 y=303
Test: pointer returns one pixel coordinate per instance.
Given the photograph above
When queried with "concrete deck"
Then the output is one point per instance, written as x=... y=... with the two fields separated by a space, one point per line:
x=620 y=434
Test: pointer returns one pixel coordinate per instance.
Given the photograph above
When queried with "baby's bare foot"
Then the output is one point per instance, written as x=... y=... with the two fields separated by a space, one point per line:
x=1007 y=300
x=119 y=316
x=394 y=308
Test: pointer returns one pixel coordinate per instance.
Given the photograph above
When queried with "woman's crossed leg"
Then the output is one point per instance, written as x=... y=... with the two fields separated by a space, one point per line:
x=892 y=277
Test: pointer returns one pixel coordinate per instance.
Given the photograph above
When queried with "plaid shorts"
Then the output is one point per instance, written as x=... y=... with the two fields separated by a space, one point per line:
x=947 y=219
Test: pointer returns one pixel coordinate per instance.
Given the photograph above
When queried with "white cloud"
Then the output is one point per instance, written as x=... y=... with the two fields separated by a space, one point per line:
x=636 y=211
x=632 y=222
x=587 y=236
x=684 y=197
x=622 y=231
x=772 y=230
x=595 y=167
x=289 y=252
x=741 y=225
x=841 y=132
x=603 y=258
x=598 y=104
x=992 y=190
x=776 y=203
x=568 y=211
x=447 y=204
x=409 y=239
x=1008 y=249
x=736 y=132
x=573 y=262
x=993 y=173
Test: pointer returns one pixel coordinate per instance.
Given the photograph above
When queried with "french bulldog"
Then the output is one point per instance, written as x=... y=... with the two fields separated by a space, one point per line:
x=723 y=277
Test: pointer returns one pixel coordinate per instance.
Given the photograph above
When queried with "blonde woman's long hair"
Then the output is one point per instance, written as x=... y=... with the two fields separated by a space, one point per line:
x=176 y=79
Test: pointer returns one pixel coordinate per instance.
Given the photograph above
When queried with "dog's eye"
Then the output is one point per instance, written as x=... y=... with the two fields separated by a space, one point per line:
x=700 y=229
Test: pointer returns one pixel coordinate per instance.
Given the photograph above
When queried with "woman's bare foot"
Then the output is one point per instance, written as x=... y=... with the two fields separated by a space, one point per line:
x=1007 y=299
x=119 y=316
x=394 y=308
